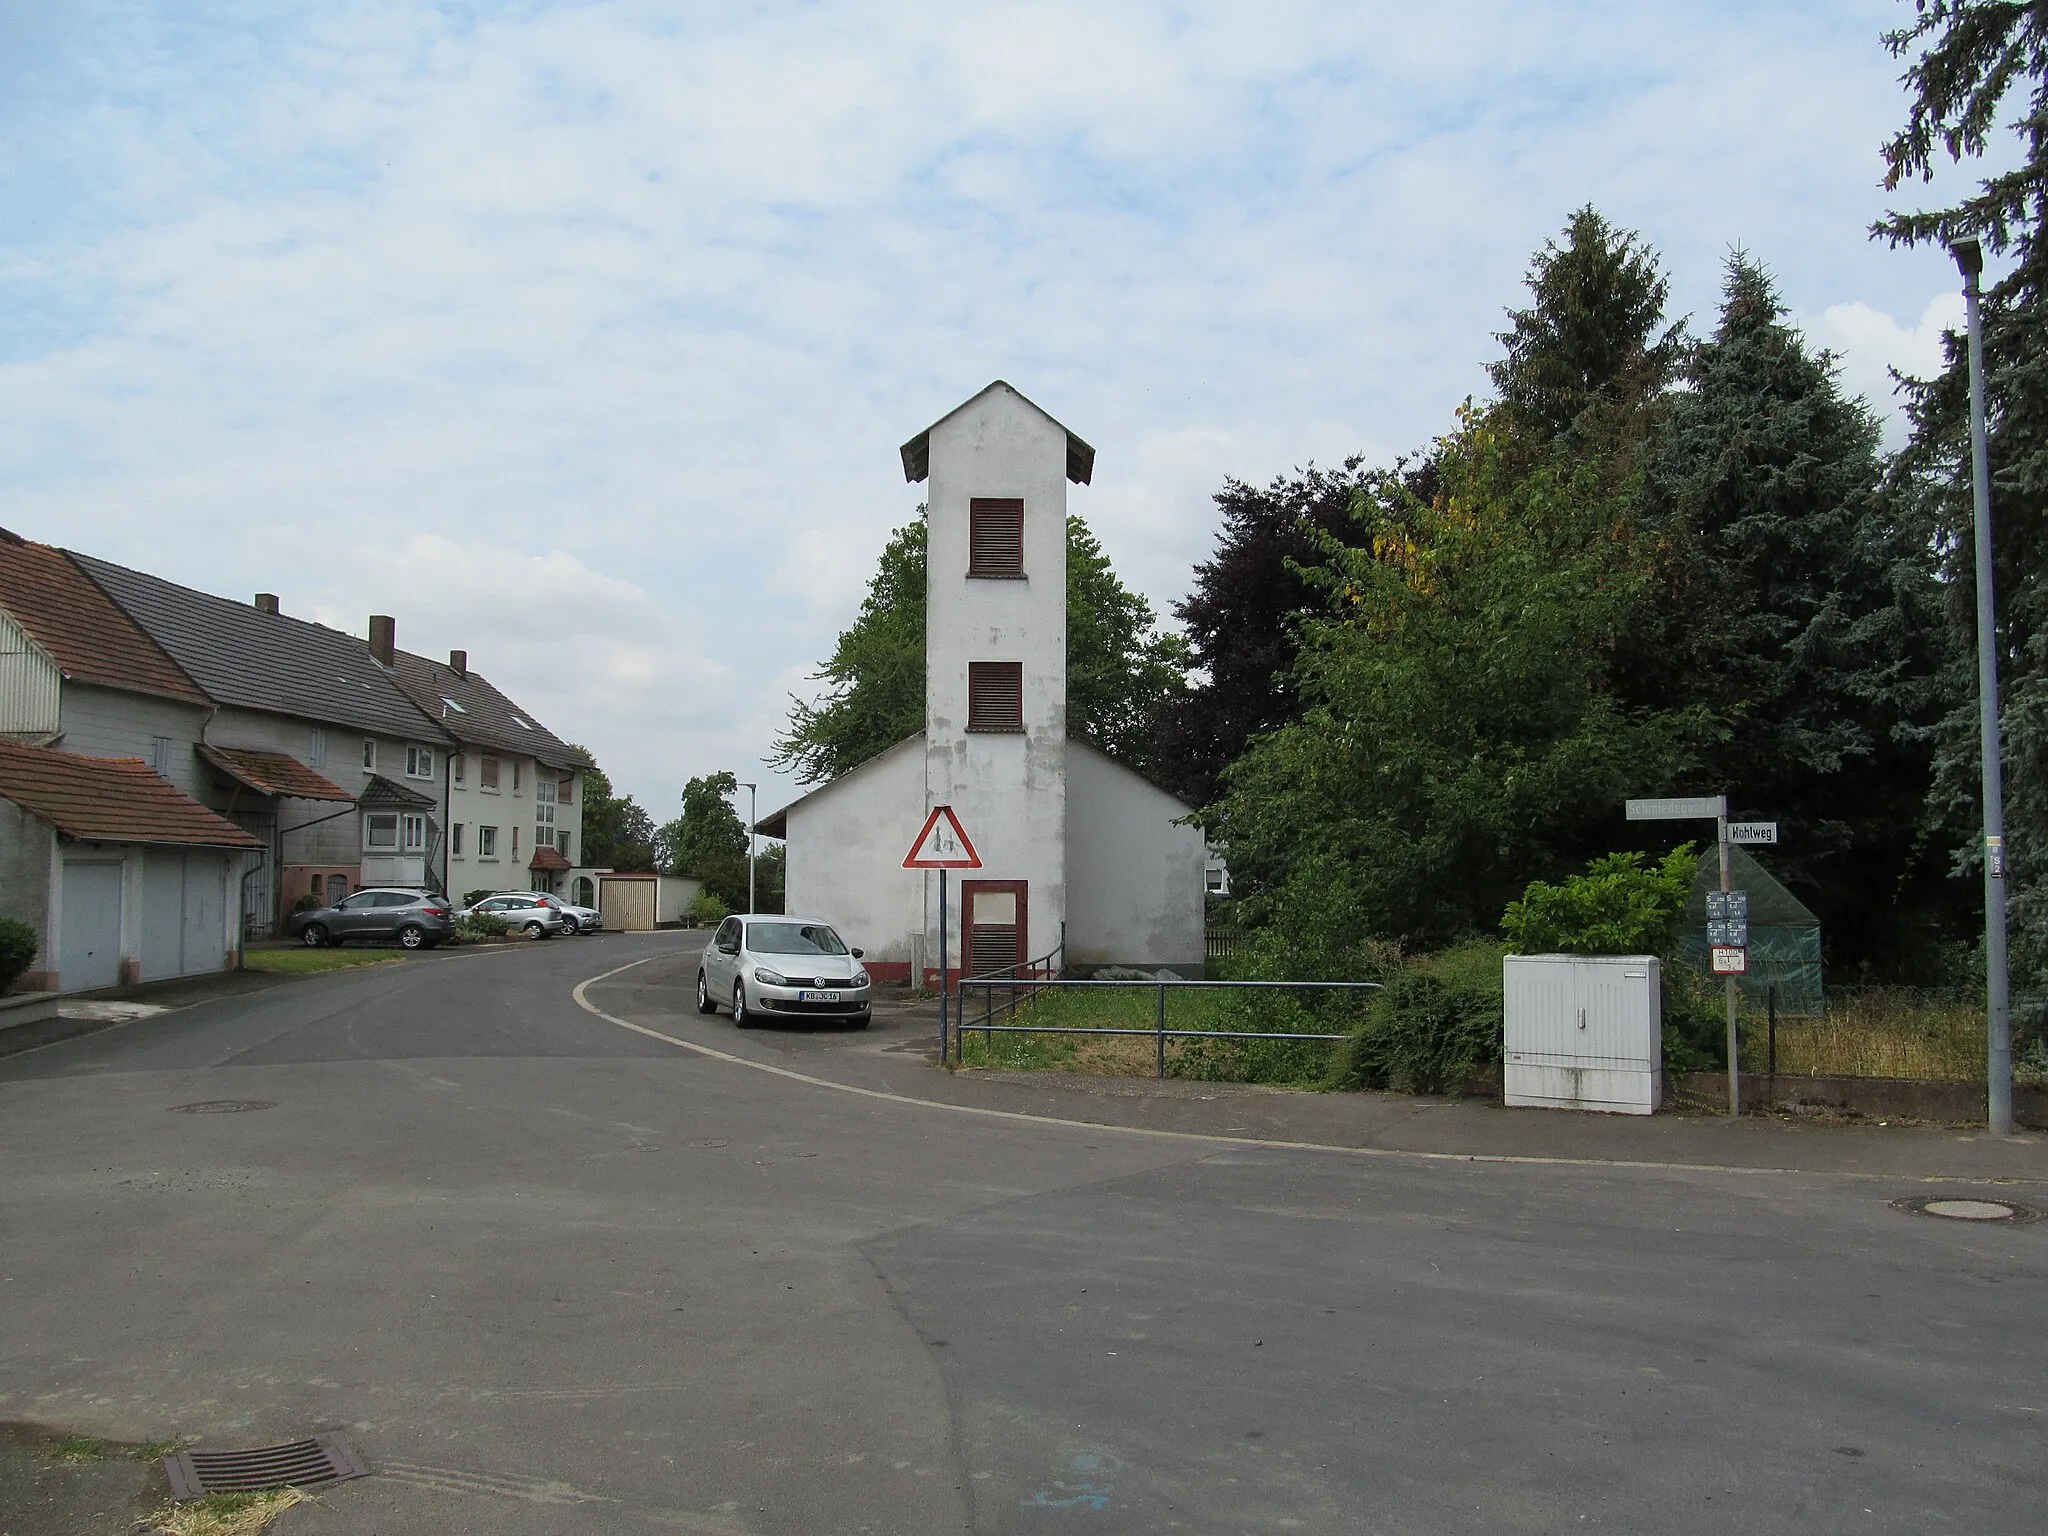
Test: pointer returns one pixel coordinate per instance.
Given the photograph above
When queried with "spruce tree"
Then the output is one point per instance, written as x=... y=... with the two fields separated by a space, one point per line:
x=1801 y=613
x=1977 y=64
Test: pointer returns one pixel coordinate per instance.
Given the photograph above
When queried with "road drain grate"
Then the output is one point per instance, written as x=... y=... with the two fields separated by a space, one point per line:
x=1968 y=1208
x=222 y=1107
x=301 y=1464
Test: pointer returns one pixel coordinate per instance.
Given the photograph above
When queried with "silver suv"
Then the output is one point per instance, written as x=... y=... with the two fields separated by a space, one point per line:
x=790 y=967
x=415 y=919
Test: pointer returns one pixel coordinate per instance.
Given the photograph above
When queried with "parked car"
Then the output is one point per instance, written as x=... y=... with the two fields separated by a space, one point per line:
x=416 y=919
x=526 y=912
x=762 y=966
x=575 y=919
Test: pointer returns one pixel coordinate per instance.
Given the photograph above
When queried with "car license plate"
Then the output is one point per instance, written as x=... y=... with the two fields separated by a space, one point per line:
x=818 y=997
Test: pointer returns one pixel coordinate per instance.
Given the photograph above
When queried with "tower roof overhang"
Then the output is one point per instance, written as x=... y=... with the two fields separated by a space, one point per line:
x=917 y=453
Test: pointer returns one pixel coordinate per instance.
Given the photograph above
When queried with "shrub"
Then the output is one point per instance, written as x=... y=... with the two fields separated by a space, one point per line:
x=708 y=910
x=1437 y=1023
x=17 y=950
x=471 y=898
x=1619 y=906
x=308 y=903
x=481 y=925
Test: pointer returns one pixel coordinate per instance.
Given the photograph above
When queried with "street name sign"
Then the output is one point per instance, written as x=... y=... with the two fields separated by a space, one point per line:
x=943 y=844
x=1698 y=808
x=1754 y=833
x=1731 y=962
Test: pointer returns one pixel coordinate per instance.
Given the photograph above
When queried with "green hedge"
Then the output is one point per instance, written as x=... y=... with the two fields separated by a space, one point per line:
x=17 y=950
x=1437 y=1023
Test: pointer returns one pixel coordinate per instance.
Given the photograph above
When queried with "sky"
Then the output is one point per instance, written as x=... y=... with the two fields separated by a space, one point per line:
x=583 y=336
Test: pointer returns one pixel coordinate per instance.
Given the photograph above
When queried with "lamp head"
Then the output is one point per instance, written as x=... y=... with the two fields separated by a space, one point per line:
x=1969 y=255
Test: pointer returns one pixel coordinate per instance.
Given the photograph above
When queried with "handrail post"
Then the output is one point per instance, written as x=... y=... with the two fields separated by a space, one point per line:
x=1159 y=1025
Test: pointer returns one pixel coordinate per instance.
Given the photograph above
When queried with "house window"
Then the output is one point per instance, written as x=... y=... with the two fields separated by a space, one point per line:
x=562 y=844
x=487 y=775
x=455 y=840
x=419 y=762
x=566 y=792
x=456 y=765
x=995 y=537
x=515 y=775
x=415 y=833
x=316 y=749
x=381 y=830
x=487 y=842
x=515 y=842
x=160 y=755
x=995 y=696
x=544 y=791
x=369 y=754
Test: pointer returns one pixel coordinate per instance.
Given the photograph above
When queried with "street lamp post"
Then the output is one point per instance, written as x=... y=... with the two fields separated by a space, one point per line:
x=1998 y=1052
x=751 y=818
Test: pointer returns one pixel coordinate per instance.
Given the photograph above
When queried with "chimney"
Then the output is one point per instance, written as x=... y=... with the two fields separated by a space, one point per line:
x=458 y=663
x=383 y=638
x=266 y=602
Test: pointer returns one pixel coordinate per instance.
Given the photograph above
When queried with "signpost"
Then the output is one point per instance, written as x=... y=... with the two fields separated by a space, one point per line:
x=943 y=845
x=1727 y=908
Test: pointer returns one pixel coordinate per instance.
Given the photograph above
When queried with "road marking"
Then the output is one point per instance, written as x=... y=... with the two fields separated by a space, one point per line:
x=583 y=1001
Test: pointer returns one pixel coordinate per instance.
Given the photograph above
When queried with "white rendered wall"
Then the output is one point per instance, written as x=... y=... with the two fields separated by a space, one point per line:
x=1134 y=879
x=846 y=845
x=111 y=722
x=1009 y=790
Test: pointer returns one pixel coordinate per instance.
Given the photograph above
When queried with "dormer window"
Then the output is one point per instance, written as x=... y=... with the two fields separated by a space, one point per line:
x=995 y=537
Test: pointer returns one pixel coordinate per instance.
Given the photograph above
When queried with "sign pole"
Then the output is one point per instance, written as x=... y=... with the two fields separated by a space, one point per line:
x=943 y=975
x=1734 y=1067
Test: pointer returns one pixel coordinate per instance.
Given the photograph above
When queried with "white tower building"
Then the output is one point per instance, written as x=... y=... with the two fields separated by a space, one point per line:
x=1073 y=846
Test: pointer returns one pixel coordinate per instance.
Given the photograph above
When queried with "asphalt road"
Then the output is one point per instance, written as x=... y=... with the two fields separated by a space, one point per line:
x=554 y=1274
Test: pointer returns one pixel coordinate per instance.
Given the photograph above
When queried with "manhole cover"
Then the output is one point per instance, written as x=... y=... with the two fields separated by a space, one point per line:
x=300 y=1464
x=222 y=1107
x=1963 y=1208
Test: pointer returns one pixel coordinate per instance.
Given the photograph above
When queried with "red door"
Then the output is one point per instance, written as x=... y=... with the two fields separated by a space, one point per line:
x=996 y=917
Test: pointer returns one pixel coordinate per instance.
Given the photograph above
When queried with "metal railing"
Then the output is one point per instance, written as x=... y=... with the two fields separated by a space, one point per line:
x=986 y=1026
x=1031 y=974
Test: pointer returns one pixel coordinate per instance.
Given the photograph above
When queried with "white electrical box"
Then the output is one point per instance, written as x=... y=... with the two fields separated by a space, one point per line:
x=1584 y=1032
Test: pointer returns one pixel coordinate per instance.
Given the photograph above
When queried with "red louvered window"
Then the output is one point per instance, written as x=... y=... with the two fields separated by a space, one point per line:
x=995 y=537
x=995 y=695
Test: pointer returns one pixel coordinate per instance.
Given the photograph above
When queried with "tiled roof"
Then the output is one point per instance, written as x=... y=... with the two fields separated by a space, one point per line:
x=381 y=791
x=548 y=859
x=274 y=773
x=243 y=656
x=110 y=799
x=91 y=639
x=477 y=715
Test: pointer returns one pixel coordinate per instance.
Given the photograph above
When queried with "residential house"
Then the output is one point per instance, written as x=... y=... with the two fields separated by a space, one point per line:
x=515 y=790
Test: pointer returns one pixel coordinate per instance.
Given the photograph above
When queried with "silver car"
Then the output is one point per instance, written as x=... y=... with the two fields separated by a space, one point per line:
x=523 y=912
x=766 y=967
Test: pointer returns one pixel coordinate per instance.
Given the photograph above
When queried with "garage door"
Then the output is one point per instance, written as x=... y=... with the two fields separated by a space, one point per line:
x=183 y=918
x=90 y=950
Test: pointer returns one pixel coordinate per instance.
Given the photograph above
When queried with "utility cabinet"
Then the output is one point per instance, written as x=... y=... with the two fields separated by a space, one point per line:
x=1584 y=1032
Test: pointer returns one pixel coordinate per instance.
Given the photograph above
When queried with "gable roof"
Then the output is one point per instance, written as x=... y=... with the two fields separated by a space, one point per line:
x=917 y=453
x=776 y=823
x=476 y=714
x=244 y=656
x=90 y=639
x=110 y=799
x=273 y=773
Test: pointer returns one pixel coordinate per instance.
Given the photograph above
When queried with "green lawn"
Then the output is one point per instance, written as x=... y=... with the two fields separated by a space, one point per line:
x=308 y=962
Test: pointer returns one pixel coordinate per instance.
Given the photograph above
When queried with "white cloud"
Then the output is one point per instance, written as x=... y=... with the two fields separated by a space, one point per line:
x=1871 y=344
x=629 y=303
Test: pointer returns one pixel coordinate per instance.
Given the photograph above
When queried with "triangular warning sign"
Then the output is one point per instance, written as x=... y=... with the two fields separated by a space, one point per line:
x=942 y=844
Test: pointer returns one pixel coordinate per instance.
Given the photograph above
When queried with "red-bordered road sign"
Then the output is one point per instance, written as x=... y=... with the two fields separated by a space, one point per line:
x=943 y=844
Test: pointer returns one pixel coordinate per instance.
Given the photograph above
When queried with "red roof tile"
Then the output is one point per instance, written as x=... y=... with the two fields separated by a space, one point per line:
x=110 y=799
x=91 y=639
x=548 y=859
x=274 y=773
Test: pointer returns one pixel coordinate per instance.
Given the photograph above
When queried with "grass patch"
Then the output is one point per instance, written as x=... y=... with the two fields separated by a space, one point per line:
x=226 y=1514
x=308 y=962
x=1876 y=1032
x=76 y=1448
